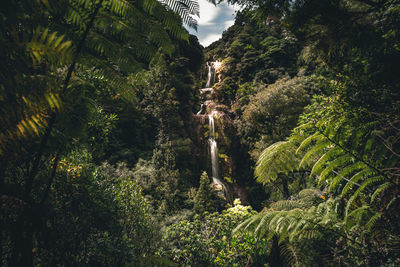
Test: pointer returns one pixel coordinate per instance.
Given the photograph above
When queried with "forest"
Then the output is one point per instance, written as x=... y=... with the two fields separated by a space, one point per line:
x=125 y=142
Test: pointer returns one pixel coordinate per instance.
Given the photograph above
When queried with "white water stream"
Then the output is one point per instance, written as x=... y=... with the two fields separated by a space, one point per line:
x=213 y=149
x=211 y=77
x=210 y=74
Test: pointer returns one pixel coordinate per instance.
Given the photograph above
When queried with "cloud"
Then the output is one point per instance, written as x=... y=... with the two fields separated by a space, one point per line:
x=208 y=12
x=209 y=39
x=229 y=23
x=213 y=21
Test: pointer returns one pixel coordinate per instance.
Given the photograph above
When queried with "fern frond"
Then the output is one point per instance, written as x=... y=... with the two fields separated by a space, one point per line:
x=335 y=164
x=316 y=136
x=264 y=222
x=275 y=159
x=49 y=48
x=363 y=186
x=372 y=222
x=315 y=151
x=356 y=215
x=331 y=153
x=284 y=205
x=379 y=190
x=185 y=9
x=345 y=172
x=392 y=201
x=290 y=255
x=355 y=178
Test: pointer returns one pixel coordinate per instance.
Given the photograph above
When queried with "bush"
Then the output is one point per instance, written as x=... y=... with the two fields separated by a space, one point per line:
x=208 y=240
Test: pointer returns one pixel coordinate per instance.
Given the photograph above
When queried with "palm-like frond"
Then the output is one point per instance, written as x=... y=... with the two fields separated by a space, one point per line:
x=344 y=156
x=121 y=38
x=49 y=48
x=277 y=158
x=337 y=153
x=290 y=254
x=291 y=218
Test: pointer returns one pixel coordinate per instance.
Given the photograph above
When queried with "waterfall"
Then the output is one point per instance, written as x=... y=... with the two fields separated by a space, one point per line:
x=211 y=125
x=211 y=73
x=213 y=149
x=206 y=94
x=214 y=158
x=214 y=161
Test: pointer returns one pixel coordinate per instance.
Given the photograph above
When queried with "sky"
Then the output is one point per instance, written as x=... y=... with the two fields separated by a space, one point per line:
x=213 y=21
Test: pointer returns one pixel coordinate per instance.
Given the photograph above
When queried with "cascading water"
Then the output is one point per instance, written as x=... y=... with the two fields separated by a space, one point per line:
x=211 y=73
x=214 y=158
x=207 y=106
x=213 y=149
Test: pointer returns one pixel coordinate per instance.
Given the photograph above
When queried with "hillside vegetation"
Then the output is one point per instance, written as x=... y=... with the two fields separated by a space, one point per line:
x=106 y=137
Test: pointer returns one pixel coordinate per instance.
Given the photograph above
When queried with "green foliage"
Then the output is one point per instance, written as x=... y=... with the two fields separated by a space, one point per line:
x=248 y=56
x=277 y=158
x=93 y=216
x=208 y=240
x=368 y=61
x=105 y=28
x=203 y=195
x=301 y=222
x=332 y=154
x=63 y=67
x=167 y=190
x=83 y=82
x=273 y=112
x=347 y=139
x=345 y=156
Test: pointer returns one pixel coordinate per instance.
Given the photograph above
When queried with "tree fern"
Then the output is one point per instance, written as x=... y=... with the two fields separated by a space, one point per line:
x=336 y=151
x=345 y=155
x=284 y=215
x=315 y=152
x=122 y=33
x=49 y=47
x=345 y=172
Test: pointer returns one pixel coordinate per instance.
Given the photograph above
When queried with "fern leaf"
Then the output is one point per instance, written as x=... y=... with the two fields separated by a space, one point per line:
x=318 y=166
x=372 y=221
x=366 y=183
x=306 y=142
x=290 y=255
x=314 y=152
x=380 y=189
x=334 y=164
x=354 y=180
x=275 y=159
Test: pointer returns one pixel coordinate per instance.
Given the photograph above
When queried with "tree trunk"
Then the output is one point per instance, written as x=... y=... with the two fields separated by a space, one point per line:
x=285 y=188
x=274 y=259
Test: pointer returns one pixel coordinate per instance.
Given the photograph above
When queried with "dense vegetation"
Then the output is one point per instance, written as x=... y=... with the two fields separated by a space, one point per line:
x=103 y=162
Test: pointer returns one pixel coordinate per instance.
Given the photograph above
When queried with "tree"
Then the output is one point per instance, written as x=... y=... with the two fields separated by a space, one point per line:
x=345 y=157
x=203 y=195
x=207 y=239
x=367 y=61
x=45 y=101
x=273 y=112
